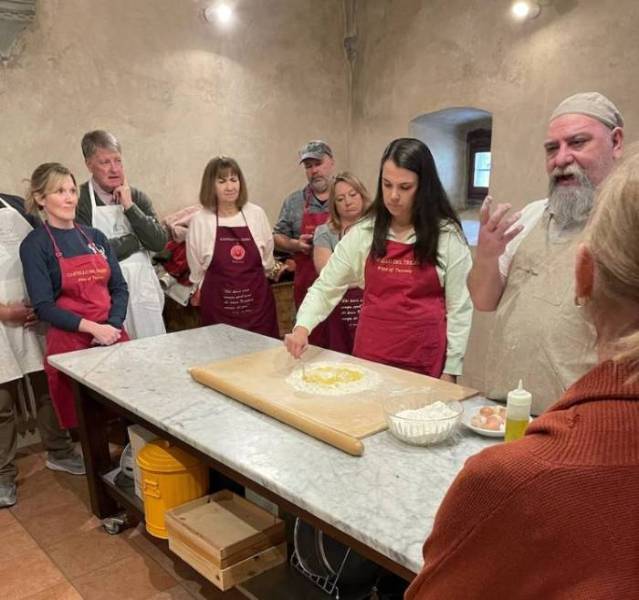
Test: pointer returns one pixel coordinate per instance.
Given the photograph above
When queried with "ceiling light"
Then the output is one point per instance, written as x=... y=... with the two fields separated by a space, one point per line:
x=222 y=13
x=523 y=10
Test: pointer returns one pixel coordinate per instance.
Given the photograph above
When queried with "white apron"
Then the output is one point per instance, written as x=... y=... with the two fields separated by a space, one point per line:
x=146 y=298
x=21 y=348
x=539 y=334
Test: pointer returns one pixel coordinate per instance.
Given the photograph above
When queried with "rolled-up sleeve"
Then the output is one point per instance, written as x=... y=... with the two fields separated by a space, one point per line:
x=456 y=259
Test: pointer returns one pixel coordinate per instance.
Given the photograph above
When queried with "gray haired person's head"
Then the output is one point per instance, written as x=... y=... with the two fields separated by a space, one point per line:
x=99 y=138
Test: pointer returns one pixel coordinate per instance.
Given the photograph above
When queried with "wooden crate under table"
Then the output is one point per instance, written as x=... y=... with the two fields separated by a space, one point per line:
x=226 y=538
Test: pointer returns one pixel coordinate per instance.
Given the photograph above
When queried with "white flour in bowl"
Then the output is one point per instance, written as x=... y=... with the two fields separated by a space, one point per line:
x=436 y=410
x=427 y=425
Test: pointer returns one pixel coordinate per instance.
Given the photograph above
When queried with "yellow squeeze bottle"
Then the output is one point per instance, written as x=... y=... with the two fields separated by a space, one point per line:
x=518 y=403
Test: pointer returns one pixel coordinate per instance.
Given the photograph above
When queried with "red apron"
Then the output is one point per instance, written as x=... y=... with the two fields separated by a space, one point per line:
x=403 y=318
x=342 y=322
x=84 y=292
x=235 y=290
x=305 y=273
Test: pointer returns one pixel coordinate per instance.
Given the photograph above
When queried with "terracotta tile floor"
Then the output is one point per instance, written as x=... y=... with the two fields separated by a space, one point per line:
x=53 y=548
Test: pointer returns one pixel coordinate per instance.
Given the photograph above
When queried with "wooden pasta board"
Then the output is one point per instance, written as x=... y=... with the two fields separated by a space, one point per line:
x=226 y=538
x=259 y=380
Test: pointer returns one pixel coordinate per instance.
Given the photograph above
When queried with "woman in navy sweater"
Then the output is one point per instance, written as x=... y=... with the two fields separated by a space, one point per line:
x=73 y=279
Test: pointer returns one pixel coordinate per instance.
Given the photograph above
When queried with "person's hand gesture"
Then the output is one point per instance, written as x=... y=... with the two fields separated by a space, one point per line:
x=496 y=229
x=122 y=194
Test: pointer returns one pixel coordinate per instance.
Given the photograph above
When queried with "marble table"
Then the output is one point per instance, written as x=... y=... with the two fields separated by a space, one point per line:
x=382 y=503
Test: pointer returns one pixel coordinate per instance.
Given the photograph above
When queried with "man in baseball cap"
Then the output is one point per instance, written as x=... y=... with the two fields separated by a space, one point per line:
x=523 y=267
x=315 y=149
x=301 y=213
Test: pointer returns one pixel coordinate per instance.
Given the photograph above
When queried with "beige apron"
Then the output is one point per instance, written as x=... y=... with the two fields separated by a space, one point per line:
x=21 y=348
x=539 y=335
x=146 y=298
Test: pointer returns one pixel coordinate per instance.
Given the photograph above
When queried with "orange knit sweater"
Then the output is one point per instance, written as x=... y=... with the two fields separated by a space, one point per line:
x=554 y=515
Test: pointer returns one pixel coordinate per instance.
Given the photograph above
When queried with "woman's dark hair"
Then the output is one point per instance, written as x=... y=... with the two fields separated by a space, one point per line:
x=431 y=205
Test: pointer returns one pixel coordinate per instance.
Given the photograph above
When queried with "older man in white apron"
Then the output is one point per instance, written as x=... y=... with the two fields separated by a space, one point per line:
x=23 y=393
x=125 y=215
x=524 y=264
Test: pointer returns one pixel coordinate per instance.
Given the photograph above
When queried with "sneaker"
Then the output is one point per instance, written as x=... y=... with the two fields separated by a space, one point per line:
x=7 y=494
x=73 y=464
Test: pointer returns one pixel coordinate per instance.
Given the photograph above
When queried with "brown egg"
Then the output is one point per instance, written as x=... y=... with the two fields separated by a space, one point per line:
x=486 y=411
x=493 y=423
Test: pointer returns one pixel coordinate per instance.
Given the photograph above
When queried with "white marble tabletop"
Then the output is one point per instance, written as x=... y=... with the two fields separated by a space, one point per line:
x=386 y=498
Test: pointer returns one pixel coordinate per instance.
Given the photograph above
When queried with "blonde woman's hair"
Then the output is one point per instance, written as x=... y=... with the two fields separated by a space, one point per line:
x=216 y=167
x=43 y=179
x=334 y=220
x=612 y=236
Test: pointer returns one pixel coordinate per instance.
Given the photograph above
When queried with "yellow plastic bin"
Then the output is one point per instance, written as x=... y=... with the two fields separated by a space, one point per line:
x=170 y=477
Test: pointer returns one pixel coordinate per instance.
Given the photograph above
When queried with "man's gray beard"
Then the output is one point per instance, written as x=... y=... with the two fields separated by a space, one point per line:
x=570 y=206
x=320 y=185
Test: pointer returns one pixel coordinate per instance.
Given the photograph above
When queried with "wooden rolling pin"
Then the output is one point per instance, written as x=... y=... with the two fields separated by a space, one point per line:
x=346 y=443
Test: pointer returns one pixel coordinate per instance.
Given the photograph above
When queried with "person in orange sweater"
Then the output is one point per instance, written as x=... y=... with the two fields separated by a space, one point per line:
x=556 y=514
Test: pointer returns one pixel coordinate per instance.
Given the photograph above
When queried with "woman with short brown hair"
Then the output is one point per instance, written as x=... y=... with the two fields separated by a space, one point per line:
x=229 y=249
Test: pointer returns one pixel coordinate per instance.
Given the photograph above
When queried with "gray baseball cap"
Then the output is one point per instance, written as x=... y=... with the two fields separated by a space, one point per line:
x=315 y=149
x=591 y=104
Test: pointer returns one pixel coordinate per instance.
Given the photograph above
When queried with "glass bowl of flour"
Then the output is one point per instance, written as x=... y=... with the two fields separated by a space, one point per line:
x=415 y=418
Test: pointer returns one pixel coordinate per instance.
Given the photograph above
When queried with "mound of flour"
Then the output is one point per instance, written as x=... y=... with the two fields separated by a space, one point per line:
x=333 y=379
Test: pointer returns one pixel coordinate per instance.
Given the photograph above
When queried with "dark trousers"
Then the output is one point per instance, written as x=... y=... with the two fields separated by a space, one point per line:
x=57 y=441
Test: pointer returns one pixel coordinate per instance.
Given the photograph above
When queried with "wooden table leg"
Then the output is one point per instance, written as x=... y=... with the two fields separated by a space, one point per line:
x=92 y=419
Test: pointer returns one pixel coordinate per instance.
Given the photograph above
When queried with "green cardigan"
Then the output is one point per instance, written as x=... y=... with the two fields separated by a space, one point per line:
x=148 y=233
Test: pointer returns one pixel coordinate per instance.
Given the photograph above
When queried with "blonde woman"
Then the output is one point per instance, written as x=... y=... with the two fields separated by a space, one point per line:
x=347 y=201
x=73 y=279
x=229 y=248
x=554 y=515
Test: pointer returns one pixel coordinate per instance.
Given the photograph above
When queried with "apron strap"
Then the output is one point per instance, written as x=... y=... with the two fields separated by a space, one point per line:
x=57 y=251
x=217 y=221
x=308 y=197
x=90 y=243
x=92 y=198
x=31 y=396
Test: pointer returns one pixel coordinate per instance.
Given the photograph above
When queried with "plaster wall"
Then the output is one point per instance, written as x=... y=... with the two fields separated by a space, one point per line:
x=416 y=57
x=176 y=91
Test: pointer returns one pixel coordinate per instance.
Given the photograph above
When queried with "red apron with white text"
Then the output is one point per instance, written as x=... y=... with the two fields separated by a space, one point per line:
x=235 y=290
x=305 y=273
x=342 y=322
x=403 y=318
x=84 y=292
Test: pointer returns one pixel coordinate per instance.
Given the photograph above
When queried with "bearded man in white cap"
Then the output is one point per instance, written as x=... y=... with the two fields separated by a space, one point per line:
x=523 y=267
